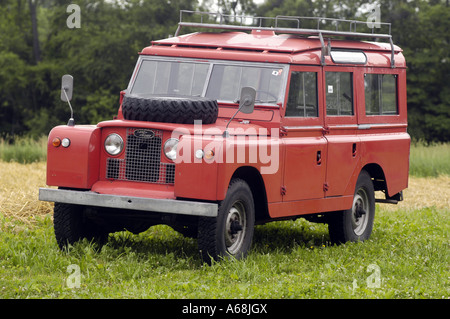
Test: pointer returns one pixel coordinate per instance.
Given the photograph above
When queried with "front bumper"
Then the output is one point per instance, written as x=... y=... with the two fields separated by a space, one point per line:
x=87 y=198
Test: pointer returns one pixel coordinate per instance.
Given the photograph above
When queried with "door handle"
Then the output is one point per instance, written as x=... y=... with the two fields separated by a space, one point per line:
x=354 y=150
x=319 y=157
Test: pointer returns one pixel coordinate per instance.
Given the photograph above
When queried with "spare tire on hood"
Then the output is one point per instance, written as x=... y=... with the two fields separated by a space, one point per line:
x=182 y=110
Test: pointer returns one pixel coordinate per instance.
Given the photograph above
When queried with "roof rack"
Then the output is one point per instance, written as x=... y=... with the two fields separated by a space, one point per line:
x=217 y=20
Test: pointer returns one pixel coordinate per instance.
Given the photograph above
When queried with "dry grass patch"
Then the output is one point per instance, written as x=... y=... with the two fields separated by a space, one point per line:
x=19 y=190
x=423 y=192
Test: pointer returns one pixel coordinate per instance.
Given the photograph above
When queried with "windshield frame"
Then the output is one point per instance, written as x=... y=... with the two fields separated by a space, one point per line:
x=212 y=63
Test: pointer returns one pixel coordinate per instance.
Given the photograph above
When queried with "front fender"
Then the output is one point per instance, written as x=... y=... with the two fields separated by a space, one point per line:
x=76 y=166
x=196 y=177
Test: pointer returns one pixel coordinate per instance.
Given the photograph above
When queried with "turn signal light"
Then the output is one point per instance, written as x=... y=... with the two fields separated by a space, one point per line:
x=56 y=142
x=209 y=154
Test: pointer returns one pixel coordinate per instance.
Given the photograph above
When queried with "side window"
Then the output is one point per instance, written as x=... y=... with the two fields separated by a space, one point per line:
x=380 y=94
x=302 y=100
x=339 y=93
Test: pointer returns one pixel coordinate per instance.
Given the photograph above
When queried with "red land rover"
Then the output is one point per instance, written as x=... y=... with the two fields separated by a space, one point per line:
x=217 y=132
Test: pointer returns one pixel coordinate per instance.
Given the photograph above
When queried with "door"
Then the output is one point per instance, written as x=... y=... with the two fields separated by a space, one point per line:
x=343 y=145
x=304 y=143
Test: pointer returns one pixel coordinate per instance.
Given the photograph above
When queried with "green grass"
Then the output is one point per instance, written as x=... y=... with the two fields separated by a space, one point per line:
x=24 y=150
x=288 y=260
x=429 y=160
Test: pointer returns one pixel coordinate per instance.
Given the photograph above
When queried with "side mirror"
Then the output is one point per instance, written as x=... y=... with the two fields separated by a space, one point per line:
x=247 y=100
x=66 y=94
x=246 y=105
x=66 y=87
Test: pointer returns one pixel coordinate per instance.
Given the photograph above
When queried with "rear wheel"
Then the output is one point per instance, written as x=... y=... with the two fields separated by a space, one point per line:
x=230 y=233
x=356 y=223
x=72 y=225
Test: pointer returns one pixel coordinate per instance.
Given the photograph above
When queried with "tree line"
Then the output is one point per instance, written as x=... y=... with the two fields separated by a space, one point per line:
x=39 y=43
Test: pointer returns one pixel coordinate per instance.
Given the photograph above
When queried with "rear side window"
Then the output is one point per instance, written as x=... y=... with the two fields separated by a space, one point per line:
x=302 y=101
x=380 y=94
x=339 y=93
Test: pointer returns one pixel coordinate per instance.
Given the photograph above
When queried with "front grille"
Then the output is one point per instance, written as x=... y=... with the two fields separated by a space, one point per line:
x=142 y=162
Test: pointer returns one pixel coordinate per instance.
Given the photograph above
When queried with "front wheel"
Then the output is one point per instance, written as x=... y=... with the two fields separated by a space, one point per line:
x=71 y=225
x=356 y=223
x=230 y=233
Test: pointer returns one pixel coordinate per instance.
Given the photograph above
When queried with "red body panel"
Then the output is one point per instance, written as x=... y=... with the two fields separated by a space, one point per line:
x=78 y=165
x=392 y=155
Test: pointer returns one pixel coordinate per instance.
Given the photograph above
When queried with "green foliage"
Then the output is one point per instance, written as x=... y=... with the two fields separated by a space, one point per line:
x=100 y=55
x=427 y=52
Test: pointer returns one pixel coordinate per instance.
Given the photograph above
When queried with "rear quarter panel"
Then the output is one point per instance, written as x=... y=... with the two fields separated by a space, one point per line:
x=391 y=153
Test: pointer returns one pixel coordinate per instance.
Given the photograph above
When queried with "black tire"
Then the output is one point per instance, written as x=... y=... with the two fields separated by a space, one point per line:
x=71 y=226
x=187 y=231
x=356 y=223
x=229 y=234
x=169 y=109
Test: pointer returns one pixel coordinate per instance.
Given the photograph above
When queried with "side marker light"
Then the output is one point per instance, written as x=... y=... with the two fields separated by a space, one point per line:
x=56 y=142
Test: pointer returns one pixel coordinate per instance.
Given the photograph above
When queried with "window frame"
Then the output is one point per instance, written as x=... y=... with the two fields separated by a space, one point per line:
x=342 y=119
x=380 y=94
x=398 y=118
x=304 y=97
x=297 y=121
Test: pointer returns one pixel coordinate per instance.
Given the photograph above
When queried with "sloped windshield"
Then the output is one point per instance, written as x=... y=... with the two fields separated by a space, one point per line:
x=227 y=80
x=170 y=78
x=219 y=81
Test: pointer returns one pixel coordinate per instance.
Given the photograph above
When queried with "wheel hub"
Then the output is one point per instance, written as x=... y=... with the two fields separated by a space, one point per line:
x=235 y=228
x=359 y=211
x=360 y=216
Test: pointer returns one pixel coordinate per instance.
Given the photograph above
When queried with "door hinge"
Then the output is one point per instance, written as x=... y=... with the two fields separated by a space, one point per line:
x=325 y=130
x=283 y=190
x=325 y=187
x=283 y=132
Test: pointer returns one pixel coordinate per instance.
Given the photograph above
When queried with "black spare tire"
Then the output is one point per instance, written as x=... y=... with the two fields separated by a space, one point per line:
x=180 y=110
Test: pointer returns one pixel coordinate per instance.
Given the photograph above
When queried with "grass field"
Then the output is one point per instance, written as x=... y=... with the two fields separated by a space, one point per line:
x=406 y=257
x=24 y=150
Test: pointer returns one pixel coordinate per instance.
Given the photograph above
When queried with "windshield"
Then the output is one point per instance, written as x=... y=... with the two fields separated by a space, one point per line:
x=216 y=80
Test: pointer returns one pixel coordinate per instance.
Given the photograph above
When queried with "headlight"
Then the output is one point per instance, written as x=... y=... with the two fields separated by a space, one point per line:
x=170 y=148
x=114 y=144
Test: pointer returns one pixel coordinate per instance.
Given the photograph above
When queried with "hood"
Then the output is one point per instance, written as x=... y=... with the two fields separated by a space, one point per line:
x=236 y=127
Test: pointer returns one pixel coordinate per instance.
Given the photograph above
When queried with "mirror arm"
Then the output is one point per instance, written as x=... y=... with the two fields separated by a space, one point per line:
x=226 y=133
x=71 y=120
